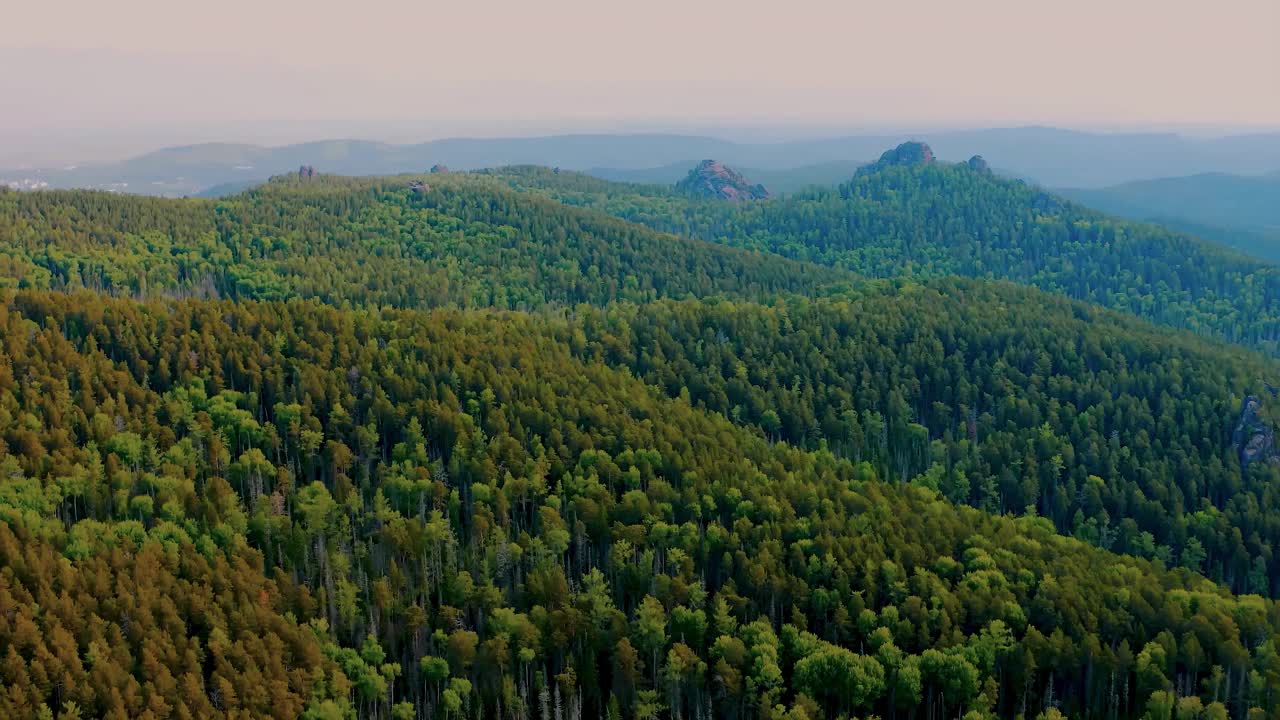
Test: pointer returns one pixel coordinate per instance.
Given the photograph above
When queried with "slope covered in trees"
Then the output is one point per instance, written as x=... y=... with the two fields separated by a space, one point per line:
x=614 y=473
x=996 y=396
x=460 y=241
x=936 y=219
x=130 y=618
x=484 y=521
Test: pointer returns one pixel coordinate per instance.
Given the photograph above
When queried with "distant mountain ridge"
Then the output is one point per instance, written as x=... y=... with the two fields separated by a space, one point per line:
x=1206 y=197
x=1239 y=210
x=1053 y=157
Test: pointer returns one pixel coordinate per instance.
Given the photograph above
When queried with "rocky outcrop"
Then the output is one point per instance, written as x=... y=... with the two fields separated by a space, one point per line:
x=306 y=171
x=714 y=180
x=439 y=169
x=1254 y=438
x=419 y=187
x=906 y=154
x=979 y=164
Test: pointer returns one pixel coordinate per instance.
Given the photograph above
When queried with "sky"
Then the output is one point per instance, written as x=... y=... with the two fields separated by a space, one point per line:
x=85 y=73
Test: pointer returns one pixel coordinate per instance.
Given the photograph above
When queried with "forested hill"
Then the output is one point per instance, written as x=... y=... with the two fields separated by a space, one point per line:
x=996 y=396
x=439 y=446
x=937 y=219
x=464 y=515
x=456 y=240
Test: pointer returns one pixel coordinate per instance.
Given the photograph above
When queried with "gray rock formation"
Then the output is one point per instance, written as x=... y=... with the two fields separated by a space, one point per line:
x=979 y=163
x=908 y=153
x=1254 y=438
x=711 y=179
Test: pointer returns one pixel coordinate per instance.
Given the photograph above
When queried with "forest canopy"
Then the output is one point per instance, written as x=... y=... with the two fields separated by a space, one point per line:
x=937 y=219
x=455 y=445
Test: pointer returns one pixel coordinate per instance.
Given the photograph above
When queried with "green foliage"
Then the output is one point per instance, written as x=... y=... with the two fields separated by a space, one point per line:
x=708 y=563
x=993 y=396
x=796 y=502
x=938 y=220
x=468 y=242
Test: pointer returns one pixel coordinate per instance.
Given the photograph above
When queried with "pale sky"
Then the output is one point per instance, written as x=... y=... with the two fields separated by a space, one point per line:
x=493 y=66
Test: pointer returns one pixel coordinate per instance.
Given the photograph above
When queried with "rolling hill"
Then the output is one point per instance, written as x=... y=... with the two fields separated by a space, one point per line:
x=931 y=219
x=1240 y=211
x=458 y=240
x=469 y=445
x=424 y=486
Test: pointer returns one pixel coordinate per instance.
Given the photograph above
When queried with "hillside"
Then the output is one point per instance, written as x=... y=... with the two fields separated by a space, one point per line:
x=443 y=446
x=466 y=241
x=483 y=517
x=938 y=219
x=469 y=241
x=1240 y=211
x=996 y=396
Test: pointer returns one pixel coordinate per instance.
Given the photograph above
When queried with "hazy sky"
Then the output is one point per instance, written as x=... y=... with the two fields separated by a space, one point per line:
x=237 y=68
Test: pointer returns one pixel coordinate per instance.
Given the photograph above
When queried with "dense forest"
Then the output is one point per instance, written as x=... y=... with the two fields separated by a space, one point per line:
x=1115 y=432
x=444 y=447
x=935 y=219
x=460 y=241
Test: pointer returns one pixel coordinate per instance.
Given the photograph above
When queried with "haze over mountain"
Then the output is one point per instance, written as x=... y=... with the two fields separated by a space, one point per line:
x=408 y=409
x=1238 y=210
x=1053 y=157
x=784 y=180
x=988 y=64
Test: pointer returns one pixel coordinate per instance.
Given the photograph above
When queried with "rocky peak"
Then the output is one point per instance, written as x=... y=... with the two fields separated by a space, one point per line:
x=979 y=164
x=306 y=171
x=711 y=179
x=439 y=169
x=1254 y=437
x=908 y=153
